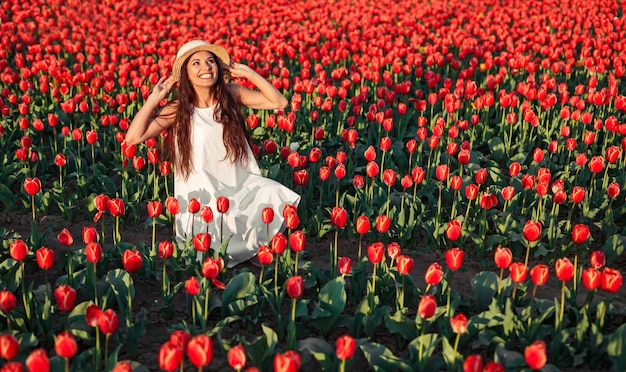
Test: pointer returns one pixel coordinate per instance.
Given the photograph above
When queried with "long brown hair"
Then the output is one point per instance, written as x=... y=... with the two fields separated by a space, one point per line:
x=227 y=112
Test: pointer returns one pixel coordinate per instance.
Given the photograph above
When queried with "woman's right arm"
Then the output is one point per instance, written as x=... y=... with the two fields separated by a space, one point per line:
x=144 y=126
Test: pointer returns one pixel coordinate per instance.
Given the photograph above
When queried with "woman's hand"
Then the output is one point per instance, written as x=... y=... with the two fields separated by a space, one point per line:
x=162 y=88
x=238 y=70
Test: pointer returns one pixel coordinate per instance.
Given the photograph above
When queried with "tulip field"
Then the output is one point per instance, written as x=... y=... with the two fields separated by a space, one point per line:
x=461 y=167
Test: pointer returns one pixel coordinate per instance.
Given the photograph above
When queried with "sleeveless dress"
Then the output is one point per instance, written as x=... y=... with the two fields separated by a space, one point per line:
x=247 y=190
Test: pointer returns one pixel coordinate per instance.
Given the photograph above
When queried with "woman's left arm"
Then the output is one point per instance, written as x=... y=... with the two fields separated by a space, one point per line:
x=266 y=98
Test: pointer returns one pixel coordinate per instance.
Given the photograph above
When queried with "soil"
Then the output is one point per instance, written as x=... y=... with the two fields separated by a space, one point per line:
x=159 y=326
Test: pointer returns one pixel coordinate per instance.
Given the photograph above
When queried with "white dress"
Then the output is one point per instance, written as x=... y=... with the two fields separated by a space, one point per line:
x=247 y=190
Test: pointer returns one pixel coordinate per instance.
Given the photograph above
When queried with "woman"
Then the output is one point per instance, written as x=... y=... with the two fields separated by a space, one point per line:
x=209 y=147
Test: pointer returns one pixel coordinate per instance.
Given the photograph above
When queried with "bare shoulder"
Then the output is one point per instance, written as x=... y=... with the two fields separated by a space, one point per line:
x=236 y=90
x=167 y=114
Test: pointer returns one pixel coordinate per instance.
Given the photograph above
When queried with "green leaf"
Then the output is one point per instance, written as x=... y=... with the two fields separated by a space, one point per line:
x=485 y=286
x=241 y=287
x=617 y=348
x=382 y=359
x=7 y=198
x=428 y=344
x=122 y=285
x=496 y=147
x=321 y=350
x=330 y=304
x=402 y=325
x=510 y=360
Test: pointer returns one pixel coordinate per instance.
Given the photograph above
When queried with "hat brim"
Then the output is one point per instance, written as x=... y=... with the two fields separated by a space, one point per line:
x=219 y=52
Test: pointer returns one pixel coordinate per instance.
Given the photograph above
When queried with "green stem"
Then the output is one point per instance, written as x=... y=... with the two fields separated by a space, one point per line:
x=562 y=309
x=206 y=301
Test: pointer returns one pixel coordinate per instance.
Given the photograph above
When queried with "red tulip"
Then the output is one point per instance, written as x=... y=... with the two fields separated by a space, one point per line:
x=295 y=287
x=300 y=177
x=9 y=346
x=372 y=169
x=8 y=301
x=580 y=234
x=60 y=160
x=180 y=339
x=539 y=274
x=45 y=258
x=202 y=242
x=101 y=202
x=279 y=243
x=340 y=173
x=153 y=156
x=32 y=186
x=418 y=174
x=427 y=307
x=193 y=206
x=453 y=230
x=338 y=217
x=165 y=249
x=519 y=271
x=90 y=234
x=370 y=153
x=389 y=177
x=473 y=363
x=597 y=259
x=578 y=194
x=93 y=252
x=123 y=366
x=345 y=347
x=458 y=323
x=358 y=182
x=434 y=274
x=471 y=191
x=287 y=362
x=18 y=250
x=532 y=231
x=132 y=260
x=393 y=250
x=236 y=357
x=535 y=355
x=383 y=223
x=612 y=154
x=212 y=267
x=454 y=258
x=154 y=209
x=172 y=205
x=345 y=265
x=375 y=252
x=65 y=297
x=611 y=280
x=116 y=207
x=591 y=278
x=493 y=367
x=91 y=136
x=596 y=164
x=38 y=361
x=503 y=257
x=613 y=190
x=362 y=225
x=514 y=169
x=164 y=168
x=65 y=345
x=92 y=314
x=206 y=214
x=405 y=264
x=441 y=172
x=192 y=286
x=292 y=221
x=564 y=269
x=108 y=322
x=297 y=241
x=65 y=238
x=267 y=215
x=265 y=255
x=200 y=350
x=456 y=182
x=170 y=357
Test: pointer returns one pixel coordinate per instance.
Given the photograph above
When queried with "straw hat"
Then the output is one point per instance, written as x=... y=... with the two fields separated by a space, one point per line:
x=195 y=46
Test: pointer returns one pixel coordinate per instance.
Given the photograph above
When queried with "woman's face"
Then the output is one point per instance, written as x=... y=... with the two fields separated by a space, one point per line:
x=202 y=69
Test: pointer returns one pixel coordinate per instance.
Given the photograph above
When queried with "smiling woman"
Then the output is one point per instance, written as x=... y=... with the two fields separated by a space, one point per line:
x=210 y=147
